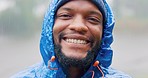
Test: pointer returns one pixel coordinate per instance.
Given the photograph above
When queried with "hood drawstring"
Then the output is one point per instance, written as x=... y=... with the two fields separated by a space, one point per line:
x=93 y=73
x=96 y=65
x=51 y=60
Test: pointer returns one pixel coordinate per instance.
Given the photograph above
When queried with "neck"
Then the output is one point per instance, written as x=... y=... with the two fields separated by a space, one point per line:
x=74 y=72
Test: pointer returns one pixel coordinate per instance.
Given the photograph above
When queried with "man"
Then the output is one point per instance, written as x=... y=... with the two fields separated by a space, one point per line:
x=75 y=41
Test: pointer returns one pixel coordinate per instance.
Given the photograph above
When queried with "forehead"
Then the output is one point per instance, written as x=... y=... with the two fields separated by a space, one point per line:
x=82 y=5
x=79 y=3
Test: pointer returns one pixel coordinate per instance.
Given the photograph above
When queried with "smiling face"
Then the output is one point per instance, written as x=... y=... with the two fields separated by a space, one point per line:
x=78 y=28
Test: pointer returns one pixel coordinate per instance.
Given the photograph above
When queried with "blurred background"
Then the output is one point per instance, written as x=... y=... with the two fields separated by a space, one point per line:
x=20 y=29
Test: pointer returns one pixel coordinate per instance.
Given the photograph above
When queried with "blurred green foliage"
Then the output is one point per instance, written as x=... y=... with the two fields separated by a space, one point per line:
x=131 y=16
x=139 y=7
x=20 y=20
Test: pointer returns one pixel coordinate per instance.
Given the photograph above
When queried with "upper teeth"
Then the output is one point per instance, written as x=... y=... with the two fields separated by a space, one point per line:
x=76 y=41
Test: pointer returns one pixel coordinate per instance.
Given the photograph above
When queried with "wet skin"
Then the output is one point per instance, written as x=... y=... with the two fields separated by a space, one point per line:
x=77 y=29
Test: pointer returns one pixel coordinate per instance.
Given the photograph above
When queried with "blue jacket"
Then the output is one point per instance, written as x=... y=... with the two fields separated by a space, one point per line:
x=104 y=56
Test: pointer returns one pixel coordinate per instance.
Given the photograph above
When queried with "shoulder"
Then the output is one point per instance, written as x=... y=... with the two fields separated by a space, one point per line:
x=112 y=73
x=29 y=72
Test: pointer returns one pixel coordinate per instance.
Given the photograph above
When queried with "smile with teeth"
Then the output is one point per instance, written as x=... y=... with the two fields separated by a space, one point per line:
x=76 y=41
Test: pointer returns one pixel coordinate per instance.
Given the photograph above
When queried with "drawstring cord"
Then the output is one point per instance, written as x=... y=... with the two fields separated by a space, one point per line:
x=52 y=60
x=96 y=65
x=93 y=73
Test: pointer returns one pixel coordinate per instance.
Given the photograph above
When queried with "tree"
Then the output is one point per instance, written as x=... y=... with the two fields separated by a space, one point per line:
x=137 y=6
x=20 y=20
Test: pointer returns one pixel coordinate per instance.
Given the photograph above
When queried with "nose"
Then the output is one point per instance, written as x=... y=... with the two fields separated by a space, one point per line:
x=78 y=25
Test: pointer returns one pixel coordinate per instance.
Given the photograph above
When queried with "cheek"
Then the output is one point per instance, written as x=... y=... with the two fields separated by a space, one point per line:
x=96 y=32
x=58 y=27
x=55 y=36
x=56 y=30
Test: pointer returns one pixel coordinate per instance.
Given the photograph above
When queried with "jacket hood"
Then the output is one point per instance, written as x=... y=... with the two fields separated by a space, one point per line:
x=46 y=42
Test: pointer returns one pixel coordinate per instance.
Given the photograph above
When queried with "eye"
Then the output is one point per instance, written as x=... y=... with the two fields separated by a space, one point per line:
x=64 y=16
x=94 y=20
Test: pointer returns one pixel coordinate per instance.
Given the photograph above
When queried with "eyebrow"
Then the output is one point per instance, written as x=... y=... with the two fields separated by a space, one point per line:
x=90 y=12
x=99 y=14
x=65 y=8
x=96 y=13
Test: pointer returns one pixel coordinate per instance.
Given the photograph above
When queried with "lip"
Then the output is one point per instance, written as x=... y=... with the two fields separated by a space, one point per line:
x=75 y=45
x=76 y=36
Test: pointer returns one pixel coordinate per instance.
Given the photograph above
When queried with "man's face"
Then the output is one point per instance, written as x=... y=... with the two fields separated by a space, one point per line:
x=78 y=28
